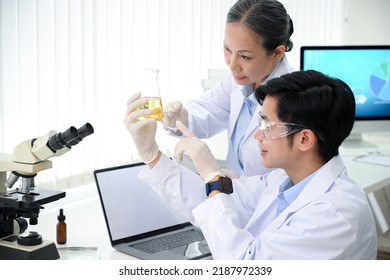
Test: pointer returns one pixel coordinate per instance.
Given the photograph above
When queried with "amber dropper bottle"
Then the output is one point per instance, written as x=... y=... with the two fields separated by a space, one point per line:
x=61 y=228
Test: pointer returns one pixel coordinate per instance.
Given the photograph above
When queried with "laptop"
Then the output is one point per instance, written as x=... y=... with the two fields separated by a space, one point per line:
x=140 y=223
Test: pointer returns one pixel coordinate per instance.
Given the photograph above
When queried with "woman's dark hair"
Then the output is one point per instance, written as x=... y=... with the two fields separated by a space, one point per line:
x=266 y=18
x=323 y=104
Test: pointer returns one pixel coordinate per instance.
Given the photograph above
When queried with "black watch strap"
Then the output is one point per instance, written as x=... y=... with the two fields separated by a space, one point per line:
x=212 y=186
x=223 y=184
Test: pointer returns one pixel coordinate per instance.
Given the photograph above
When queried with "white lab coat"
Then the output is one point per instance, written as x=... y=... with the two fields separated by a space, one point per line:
x=330 y=219
x=218 y=109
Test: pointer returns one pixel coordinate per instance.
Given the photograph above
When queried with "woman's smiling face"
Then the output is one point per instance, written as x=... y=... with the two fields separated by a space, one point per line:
x=245 y=56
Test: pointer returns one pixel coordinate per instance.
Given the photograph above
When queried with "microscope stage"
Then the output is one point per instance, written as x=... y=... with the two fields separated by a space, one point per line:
x=33 y=199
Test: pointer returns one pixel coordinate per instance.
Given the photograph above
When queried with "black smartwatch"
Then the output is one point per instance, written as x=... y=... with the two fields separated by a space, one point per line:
x=223 y=184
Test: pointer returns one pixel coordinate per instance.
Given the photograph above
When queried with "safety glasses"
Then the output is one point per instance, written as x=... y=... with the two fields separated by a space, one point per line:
x=276 y=130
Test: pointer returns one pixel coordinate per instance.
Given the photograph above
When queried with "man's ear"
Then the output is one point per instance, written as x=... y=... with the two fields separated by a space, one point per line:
x=307 y=139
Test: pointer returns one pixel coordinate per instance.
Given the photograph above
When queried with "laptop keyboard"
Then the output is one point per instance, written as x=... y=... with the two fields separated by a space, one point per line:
x=168 y=242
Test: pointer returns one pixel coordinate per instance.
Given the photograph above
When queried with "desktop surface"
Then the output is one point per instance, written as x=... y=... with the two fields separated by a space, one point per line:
x=87 y=236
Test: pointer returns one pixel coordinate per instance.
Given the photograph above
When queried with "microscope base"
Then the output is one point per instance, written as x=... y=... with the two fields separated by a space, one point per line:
x=11 y=250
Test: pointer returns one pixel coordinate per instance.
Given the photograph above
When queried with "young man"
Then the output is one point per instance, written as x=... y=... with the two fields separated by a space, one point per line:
x=308 y=208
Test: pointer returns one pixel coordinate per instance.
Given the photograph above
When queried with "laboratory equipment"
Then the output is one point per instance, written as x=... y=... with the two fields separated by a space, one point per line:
x=151 y=91
x=25 y=202
x=61 y=228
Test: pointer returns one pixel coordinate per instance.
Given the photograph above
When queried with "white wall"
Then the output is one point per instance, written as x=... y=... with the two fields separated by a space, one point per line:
x=367 y=22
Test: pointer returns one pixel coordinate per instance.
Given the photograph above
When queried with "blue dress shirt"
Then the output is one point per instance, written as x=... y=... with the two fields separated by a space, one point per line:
x=289 y=192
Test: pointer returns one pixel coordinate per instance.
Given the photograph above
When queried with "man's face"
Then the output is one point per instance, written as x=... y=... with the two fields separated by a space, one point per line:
x=276 y=153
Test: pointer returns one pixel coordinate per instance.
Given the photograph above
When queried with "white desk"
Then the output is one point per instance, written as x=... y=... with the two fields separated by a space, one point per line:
x=85 y=220
x=369 y=176
x=85 y=225
x=372 y=178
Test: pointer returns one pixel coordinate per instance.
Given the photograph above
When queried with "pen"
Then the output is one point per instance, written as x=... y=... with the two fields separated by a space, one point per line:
x=77 y=248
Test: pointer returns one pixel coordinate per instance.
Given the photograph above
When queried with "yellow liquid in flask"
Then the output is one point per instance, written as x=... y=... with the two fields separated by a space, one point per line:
x=153 y=103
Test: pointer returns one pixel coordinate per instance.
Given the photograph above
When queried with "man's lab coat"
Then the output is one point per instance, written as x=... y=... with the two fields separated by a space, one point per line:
x=330 y=219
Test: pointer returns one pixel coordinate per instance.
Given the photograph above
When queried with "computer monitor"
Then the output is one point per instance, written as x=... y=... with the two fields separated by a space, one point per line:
x=366 y=69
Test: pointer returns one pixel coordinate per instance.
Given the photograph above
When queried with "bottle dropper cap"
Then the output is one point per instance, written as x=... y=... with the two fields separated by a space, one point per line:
x=61 y=216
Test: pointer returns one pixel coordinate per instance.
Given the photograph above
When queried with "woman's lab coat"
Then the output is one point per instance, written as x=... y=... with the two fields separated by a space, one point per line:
x=330 y=219
x=218 y=109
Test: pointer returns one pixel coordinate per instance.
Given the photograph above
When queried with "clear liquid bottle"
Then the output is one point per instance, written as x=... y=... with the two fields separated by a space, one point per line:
x=61 y=228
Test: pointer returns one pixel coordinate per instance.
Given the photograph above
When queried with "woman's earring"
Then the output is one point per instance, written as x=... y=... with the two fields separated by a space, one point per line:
x=276 y=62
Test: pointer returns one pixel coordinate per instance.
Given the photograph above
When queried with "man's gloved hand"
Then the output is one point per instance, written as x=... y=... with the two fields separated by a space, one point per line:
x=142 y=131
x=199 y=153
x=173 y=112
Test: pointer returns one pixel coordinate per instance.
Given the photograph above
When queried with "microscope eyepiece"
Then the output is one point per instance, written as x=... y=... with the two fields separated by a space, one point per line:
x=62 y=139
x=83 y=131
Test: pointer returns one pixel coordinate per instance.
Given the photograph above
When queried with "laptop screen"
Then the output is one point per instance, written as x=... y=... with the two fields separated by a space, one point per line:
x=131 y=207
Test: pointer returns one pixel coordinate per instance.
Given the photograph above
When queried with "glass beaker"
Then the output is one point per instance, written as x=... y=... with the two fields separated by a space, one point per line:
x=151 y=91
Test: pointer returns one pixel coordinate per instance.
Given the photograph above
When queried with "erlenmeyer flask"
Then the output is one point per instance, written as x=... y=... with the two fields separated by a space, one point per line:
x=151 y=91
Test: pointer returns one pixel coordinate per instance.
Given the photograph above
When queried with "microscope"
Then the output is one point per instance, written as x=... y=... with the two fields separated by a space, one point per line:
x=25 y=202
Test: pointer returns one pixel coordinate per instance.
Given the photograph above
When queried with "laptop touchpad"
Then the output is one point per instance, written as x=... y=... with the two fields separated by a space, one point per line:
x=193 y=250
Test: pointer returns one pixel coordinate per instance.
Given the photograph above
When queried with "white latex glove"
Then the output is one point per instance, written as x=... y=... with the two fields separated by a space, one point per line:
x=142 y=131
x=199 y=153
x=230 y=173
x=173 y=112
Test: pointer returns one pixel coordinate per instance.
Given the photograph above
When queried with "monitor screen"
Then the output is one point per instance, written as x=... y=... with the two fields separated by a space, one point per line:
x=366 y=69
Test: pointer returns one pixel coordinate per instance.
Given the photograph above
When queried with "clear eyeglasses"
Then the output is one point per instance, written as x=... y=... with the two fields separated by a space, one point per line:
x=276 y=130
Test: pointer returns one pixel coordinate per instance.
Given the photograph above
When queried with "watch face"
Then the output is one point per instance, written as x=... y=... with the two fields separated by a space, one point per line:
x=227 y=185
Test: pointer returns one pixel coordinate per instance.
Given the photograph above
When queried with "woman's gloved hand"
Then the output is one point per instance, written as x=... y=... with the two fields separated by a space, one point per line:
x=199 y=153
x=173 y=112
x=142 y=131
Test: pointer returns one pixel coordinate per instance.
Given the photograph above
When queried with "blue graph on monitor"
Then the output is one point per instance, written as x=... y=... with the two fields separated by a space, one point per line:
x=380 y=81
x=367 y=72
